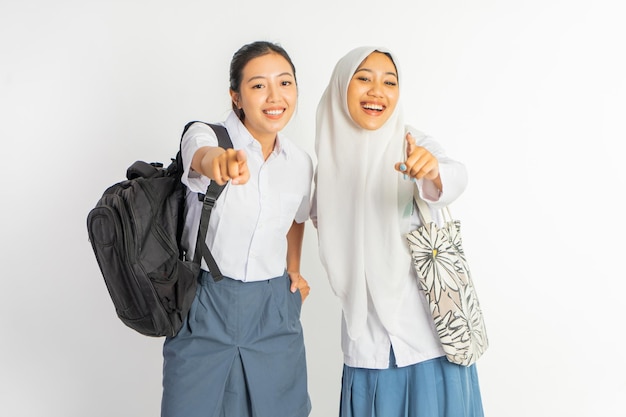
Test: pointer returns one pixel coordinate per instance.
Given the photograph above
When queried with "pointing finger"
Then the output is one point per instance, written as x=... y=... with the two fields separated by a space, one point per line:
x=241 y=156
x=242 y=174
x=410 y=143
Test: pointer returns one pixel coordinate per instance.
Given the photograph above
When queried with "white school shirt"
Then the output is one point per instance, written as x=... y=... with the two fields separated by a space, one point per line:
x=415 y=339
x=249 y=223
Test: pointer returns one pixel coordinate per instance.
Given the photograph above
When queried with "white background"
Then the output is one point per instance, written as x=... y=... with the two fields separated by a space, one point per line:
x=530 y=95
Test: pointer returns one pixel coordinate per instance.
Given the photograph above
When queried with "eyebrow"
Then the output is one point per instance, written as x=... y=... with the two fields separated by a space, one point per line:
x=261 y=77
x=369 y=70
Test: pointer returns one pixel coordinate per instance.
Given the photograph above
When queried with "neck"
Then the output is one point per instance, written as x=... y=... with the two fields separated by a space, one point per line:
x=267 y=145
x=266 y=139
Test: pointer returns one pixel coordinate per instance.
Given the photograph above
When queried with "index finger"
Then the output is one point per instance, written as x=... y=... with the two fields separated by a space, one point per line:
x=410 y=143
x=236 y=161
x=241 y=169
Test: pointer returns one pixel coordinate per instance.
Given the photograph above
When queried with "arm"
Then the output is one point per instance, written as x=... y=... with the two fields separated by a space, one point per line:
x=221 y=165
x=420 y=163
x=294 y=252
x=441 y=179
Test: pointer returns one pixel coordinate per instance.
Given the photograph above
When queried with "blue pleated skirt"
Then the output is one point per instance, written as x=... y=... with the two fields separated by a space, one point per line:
x=240 y=353
x=434 y=388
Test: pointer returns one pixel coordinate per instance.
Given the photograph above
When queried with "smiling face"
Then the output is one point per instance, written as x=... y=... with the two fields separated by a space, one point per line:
x=373 y=91
x=267 y=95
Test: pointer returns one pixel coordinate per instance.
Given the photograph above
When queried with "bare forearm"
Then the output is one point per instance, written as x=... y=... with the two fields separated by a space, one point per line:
x=202 y=161
x=221 y=165
x=295 y=237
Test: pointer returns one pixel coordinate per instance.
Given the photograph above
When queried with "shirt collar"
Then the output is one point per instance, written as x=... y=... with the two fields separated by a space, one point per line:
x=242 y=137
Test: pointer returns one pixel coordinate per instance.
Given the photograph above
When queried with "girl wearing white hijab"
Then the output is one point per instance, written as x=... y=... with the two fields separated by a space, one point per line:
x=369 y=162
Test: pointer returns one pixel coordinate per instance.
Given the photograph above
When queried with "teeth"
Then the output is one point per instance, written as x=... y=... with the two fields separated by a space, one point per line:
x=274 y=112
x=373 y=106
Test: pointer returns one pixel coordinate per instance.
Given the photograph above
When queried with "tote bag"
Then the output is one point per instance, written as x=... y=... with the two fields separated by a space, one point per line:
x=444 y=277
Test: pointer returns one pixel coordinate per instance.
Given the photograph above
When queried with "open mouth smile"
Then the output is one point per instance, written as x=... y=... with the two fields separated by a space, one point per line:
x=372 y=107
x=274 y=112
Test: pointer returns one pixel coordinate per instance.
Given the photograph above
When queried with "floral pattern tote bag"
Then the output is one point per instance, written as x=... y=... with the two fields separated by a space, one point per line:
x=444 y=277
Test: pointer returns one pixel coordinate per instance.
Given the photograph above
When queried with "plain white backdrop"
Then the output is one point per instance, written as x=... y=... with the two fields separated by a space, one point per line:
x=530 y=95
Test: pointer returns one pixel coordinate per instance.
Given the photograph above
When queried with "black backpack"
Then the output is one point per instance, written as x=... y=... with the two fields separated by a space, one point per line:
x=135 y=231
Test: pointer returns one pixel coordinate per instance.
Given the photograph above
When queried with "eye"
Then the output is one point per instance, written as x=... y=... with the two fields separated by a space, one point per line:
x=391 y=83
x=363 y=78
x=257 y=86
x=286 y=83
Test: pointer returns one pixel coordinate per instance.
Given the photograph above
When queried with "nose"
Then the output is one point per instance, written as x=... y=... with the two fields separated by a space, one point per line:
x=375 y=90
x=272 y=94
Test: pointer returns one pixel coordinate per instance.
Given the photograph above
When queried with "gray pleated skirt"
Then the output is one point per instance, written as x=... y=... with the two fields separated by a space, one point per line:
x=240 y=353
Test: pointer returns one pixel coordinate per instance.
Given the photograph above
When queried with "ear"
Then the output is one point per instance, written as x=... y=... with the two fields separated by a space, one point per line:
x=234 y=96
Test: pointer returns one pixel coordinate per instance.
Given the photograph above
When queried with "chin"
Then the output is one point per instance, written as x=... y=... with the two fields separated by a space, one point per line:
x=371 y=126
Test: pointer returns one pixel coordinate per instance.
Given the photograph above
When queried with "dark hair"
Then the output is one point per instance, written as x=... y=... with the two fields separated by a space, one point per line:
x=247 y=53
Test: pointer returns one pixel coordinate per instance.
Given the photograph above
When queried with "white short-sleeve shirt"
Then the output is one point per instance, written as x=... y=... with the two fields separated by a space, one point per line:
x=248 y=226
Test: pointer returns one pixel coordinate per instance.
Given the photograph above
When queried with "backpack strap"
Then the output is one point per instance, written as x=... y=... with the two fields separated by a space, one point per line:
x=208 y=202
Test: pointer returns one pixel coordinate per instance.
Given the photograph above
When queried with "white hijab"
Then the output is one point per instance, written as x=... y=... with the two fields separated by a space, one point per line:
x=363 y=203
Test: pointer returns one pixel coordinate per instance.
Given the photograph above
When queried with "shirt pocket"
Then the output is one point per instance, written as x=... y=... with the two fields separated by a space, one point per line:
x=289 y=205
